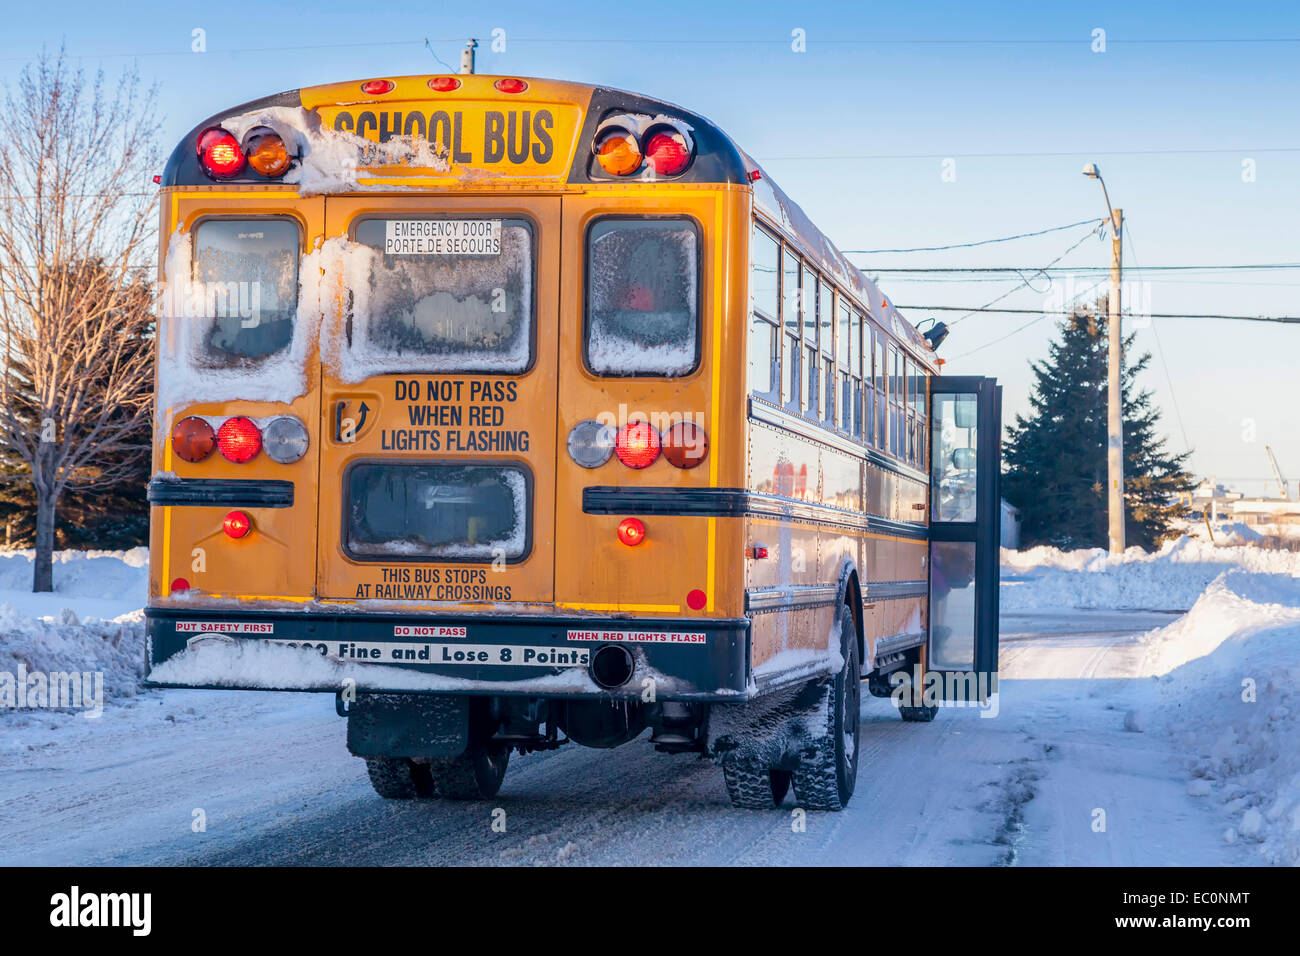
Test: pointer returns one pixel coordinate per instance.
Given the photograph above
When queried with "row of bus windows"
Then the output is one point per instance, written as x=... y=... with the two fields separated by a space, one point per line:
x=455 y=313
x=814 y=353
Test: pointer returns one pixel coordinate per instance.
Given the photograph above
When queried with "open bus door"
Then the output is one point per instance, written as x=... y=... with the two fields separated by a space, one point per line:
x=965 y=534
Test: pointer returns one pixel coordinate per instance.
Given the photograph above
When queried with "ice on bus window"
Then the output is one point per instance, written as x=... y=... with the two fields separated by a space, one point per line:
x=245 y=289
x=642 y=278
x=444 y=512
x=444 y=311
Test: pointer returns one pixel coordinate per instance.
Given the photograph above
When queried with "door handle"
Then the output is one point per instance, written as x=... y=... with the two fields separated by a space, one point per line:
x=354 y=429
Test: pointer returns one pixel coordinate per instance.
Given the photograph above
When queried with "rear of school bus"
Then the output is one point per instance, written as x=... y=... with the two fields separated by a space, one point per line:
x=447 y=369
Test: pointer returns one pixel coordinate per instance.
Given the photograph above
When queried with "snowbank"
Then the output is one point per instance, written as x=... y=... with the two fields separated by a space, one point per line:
x=1229 y=694
x=1172 y=578
x=92 y=622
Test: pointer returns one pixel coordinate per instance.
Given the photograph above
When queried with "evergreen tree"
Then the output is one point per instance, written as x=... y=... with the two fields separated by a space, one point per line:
x=1055 y=460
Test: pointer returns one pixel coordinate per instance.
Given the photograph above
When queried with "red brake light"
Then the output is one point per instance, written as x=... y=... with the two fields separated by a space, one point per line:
x=444 y=84
x=509 y=84
x=668 y=153
x=685 y=445
x=219 y=153
x=193 y=439
x=236 y=524
x=377 y=87
x=637 y=445
x=239 y=440
x=631 y=531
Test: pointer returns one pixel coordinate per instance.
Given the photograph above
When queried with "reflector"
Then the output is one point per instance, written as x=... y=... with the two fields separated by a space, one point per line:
x=236 y=524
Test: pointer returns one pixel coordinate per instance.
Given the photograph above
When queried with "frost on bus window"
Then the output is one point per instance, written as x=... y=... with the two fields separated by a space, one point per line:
x=443 y=312
x=244 y=292
x=641 y=297
x=440 y=512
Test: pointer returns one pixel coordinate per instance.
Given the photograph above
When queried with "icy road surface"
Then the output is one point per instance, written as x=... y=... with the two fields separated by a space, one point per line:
x=270 y=777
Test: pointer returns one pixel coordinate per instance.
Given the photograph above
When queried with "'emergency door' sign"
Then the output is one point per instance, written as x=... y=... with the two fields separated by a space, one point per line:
x=442 y=237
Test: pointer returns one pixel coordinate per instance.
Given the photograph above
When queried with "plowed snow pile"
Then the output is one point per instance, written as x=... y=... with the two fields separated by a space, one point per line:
x=91 y=622
x=1169 y=579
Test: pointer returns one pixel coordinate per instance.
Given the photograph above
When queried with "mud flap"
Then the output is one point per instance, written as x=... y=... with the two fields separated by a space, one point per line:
x=408 y=725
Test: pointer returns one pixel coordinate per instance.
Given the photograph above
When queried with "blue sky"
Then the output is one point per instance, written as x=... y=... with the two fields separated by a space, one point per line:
x=857 y=128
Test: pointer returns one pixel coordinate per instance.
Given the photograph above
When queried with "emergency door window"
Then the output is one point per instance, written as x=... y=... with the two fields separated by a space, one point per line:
x=953 y=475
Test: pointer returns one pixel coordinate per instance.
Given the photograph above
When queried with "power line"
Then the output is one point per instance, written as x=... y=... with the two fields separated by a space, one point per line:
x=981 y=242
x=1077 y=269
x=1088 y=151
x=1287 y=319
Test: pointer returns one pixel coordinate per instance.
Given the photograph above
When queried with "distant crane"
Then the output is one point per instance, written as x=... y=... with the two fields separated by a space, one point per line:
x=1277 y=473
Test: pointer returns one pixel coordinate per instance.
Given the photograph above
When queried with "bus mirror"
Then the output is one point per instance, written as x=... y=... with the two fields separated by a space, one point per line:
x=963 y=459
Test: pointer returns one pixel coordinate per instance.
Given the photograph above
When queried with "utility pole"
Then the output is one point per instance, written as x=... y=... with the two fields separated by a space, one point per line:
x=1115 y=388
x=467 y=57
x=1114 y=374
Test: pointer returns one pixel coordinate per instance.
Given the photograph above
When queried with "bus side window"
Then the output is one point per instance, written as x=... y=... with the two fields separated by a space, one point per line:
x=812 y=365
x=764 y=297
x=790 y=375
x=826 y=324
x=855 y=370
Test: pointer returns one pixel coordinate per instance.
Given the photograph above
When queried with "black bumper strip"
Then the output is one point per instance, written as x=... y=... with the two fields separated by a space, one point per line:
x=224 y=492
x=735 y=503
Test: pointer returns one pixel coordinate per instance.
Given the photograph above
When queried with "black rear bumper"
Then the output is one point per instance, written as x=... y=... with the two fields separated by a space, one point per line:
x=498 y=655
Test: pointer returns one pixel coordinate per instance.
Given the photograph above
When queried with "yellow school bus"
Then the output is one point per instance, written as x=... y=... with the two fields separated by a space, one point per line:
x=517 y=412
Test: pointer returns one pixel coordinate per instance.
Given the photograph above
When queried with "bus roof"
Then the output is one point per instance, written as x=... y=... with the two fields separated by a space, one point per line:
x=476 y=136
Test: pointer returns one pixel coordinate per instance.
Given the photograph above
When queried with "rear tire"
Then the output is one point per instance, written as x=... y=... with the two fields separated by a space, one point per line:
x=826 y=778
x=398 y=778
x=470 y=776
x=752 y=786
x=920 y=715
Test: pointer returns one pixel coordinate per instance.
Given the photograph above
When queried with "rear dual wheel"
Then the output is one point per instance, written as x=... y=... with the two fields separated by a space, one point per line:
x=826 y=777
x=467 y=777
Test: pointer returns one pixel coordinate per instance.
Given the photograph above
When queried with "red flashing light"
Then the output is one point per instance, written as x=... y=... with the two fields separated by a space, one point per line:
x=668 y=153
x=377 y=87
x=219 y=153
x=193 y=439
x=685 y=445
x=444 y=84
x=239 y=440
x=509 y=84
x=631 y=531
x=236 y=524
x=637 y=444
x=696 y=600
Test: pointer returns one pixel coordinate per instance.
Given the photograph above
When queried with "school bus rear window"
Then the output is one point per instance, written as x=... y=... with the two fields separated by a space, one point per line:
x=642 y=281
x=246 y=274
x=445 y=512
x=447 y=295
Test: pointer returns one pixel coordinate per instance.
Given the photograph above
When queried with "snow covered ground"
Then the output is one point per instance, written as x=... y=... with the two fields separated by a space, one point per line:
x=1128 y=733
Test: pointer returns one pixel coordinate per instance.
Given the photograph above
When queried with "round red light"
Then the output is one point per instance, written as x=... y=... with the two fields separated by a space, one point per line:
x=239 y=440
x=685 y=445
x=193 y=439
x=219 y=153
x=444 y=84
x=180 y=584
x=631 y=531
x=377 y=87
x=696 y=600
x=637 y=444
x=236 y=524
x=509 y=84
x=668 y=153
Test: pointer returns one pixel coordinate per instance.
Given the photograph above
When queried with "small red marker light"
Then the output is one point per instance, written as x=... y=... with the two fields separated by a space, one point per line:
x=180 y=584
x=631 y=531
x=509 y=84
x=755 y=175
x=236 y=524
x=696 y=600
x=377 y=87
x=157 y=180
x=758 y=552
x=444 y=84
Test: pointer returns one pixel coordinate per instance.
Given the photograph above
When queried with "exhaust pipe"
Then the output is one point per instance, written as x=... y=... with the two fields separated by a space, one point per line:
x=611 y=666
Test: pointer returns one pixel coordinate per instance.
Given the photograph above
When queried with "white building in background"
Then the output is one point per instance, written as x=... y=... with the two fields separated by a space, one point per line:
x=1257 y=511
x=1010 y=525
x=1210 y=498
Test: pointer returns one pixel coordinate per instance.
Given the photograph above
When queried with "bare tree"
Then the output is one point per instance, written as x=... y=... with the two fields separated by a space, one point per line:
x=77 y=231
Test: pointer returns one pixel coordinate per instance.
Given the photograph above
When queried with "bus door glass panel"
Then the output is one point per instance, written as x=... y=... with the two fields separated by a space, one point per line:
x=965 y=419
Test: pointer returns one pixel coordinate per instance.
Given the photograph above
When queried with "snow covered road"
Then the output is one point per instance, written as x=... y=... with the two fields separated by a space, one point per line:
x=274 y=783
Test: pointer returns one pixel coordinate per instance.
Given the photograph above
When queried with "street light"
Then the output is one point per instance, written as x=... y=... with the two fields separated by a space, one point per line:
x=1114 y=392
